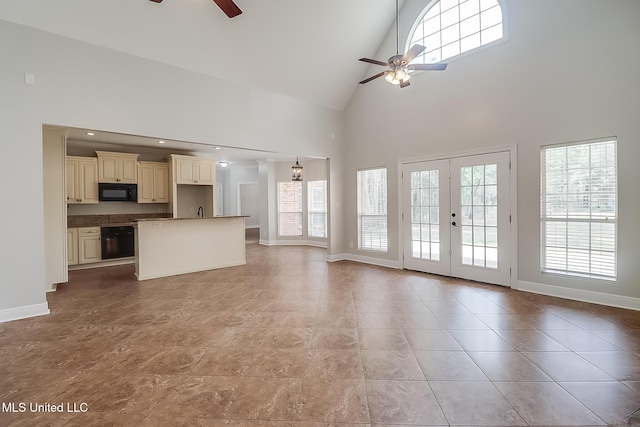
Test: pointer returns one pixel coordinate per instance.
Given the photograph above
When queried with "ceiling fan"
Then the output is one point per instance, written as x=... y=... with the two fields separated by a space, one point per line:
x=227 y=6
x=400 y=66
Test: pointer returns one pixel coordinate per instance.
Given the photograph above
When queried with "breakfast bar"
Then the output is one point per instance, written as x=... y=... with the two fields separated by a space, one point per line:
x=171 y=246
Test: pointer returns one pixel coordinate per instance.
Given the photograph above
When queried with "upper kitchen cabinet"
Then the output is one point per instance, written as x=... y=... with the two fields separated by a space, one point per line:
x=117 y=167
x=82 y=179
x=193 y=170
x=153 y=182
x=192 y=186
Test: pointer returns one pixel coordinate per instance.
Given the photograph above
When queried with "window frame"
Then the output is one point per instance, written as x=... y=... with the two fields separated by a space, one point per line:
x=384 y=236
x=418 y=21
x=299 y=212
x=312 y=212
x=575 y=218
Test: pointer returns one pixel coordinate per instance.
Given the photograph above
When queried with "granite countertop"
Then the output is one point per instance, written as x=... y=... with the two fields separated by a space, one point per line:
x=181 y=219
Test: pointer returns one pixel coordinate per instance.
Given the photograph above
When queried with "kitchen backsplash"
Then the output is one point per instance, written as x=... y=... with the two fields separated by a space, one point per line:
x=98 y=220
x=109 y=208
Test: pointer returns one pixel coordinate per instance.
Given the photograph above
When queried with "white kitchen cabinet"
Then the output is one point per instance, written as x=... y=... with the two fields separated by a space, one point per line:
x=72 y=246
x=194 y=170
x=117 y=167
x=153 y=182
x=89 y=249
x=82 y=180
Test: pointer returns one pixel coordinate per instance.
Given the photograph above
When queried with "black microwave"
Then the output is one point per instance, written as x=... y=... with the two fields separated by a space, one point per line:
x=118 y=192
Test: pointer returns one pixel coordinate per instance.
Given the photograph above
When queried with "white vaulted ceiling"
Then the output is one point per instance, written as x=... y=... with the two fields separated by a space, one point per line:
x=302 y=48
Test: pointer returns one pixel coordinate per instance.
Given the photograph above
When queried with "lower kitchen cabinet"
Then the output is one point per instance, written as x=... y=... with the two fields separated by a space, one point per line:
x=72 y=246
x=83 y=245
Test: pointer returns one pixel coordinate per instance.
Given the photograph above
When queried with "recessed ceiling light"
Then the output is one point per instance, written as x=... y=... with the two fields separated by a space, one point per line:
x=161 y=142
x=217 y=148
x=90 y=133
x=223 y=164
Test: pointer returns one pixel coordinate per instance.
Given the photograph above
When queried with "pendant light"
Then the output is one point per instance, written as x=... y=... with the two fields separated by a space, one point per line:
x=296 y=171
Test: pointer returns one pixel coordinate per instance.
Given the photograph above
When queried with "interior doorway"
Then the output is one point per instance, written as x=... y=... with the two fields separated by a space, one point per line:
x=457 y=217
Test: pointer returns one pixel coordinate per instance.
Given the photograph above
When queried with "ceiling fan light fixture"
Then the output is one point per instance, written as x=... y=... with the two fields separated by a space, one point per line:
x=397 y=76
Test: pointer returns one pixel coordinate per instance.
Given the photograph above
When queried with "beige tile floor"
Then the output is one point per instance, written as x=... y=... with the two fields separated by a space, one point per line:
x=290 y=340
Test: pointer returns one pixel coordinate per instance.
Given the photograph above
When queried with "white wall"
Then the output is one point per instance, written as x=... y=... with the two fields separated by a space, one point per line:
x=568 y=71
x=233 y=175
x=80 y=85
x=249 y=203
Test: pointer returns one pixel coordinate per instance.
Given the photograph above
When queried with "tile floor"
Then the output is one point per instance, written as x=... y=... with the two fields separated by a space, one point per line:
x=289 y=340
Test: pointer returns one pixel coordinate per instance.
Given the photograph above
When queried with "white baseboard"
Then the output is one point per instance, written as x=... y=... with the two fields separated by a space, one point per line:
x=293 y=243
x=611 y=300
x=105 y=263
x=365 y=259
x=23 y=312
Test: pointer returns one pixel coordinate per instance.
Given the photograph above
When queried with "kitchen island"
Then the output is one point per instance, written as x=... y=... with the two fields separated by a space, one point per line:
x=172 y=246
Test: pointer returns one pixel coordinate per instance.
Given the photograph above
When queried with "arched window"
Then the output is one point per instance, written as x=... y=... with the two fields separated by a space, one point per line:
x=448 y=28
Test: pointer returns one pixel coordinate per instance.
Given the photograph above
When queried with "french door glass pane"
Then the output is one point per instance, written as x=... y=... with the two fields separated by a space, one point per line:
x=425 y=196
x=479 y=214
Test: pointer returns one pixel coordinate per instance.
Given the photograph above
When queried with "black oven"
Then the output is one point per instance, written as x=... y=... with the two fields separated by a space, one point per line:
x=118 y=192
x=117 y=242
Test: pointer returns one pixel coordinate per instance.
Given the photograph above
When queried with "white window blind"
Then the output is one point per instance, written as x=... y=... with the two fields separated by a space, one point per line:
x=290 y=208
x=579 y=209
x=317 y=208
x=372 y=209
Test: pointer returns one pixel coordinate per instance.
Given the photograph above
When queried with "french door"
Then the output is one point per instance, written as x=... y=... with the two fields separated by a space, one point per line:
x=456 y=217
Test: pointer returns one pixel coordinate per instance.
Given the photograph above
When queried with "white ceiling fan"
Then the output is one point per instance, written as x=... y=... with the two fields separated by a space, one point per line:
x=400 y=66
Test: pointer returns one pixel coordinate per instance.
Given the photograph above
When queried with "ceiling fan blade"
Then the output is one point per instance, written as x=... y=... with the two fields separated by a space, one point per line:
x=427 y=67
x=228 y=7
x=415 y=50
x=157 y=1
x=405 y=83
x=374 y=61
x=372 y=78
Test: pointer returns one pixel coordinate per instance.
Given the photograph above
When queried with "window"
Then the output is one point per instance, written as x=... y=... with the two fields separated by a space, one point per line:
x=578 y=216
x=289 y=208
x=451 y=27
x=317 y=201
x=372 y=209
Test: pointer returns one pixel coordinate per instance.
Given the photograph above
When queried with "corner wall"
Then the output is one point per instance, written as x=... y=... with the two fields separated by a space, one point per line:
x=567 y=71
